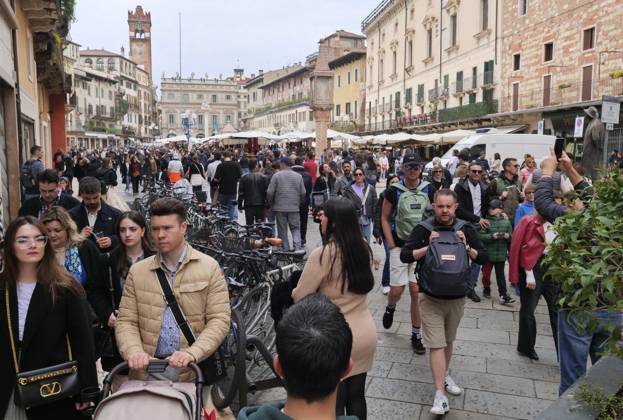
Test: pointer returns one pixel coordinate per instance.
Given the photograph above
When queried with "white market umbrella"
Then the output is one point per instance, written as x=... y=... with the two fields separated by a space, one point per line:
x=455 y=136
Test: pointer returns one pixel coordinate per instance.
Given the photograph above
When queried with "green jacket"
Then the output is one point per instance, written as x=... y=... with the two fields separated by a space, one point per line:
x=512 y=200
x=497 y=249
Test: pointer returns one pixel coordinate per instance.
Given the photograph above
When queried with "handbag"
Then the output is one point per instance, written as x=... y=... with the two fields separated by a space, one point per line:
x=46 y=385
x=213 y=367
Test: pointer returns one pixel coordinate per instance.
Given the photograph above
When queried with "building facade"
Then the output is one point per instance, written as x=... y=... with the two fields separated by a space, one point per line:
x=558 y=58
x=349 y=90
x=431 y=61
x=212 y=103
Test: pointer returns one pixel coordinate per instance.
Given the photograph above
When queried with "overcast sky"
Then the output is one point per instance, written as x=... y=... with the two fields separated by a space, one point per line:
x=219 y=35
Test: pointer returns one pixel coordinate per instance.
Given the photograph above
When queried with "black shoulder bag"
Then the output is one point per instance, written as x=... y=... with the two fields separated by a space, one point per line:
x=46 y=385
x=213 y=367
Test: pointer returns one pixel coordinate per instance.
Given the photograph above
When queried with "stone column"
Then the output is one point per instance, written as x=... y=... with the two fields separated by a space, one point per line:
x=322 y=97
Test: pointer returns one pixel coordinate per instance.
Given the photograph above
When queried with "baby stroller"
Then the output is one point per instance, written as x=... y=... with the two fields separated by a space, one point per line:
x=151 y=399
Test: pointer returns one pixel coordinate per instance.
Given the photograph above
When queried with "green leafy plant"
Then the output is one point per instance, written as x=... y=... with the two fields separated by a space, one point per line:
x=616 y=74
x=587 y=256
x=68 y=8
x=608 y=407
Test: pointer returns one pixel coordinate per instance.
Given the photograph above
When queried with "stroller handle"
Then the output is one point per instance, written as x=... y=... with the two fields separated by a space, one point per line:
x=155 y=366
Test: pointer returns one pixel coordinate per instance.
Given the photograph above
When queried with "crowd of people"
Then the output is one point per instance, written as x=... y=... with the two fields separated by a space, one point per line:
x=81 y=277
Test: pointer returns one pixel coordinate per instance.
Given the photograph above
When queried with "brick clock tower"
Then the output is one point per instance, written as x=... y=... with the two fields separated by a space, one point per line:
x=139 y=24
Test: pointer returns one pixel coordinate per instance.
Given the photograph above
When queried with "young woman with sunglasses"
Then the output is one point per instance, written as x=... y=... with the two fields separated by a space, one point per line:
x=57 y=324
x=363 y=195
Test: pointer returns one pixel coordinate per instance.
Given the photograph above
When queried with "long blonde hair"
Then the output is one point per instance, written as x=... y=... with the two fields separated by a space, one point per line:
x=60 y=215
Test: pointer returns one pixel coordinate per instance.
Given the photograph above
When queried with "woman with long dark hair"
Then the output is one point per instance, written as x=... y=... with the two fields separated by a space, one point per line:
x=371 y=170
x=106 y=291
x=56 y=329
x=341 y=270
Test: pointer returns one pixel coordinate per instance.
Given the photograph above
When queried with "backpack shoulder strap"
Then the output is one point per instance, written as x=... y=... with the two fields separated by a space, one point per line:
x=399 y=186
x=428 y=224
x=422 y=186
x=458 y=224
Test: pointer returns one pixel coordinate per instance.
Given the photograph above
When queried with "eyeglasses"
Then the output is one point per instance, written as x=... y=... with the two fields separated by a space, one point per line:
x=25 y=243
x=476 y=171
x=358 y=174
x=412 y=168
x=437 y=172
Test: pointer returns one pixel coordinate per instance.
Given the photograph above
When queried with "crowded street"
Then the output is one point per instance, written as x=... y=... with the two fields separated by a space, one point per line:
x=240 y=211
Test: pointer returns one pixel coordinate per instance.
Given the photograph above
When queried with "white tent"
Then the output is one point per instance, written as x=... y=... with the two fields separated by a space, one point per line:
x=297 y=135
x=381 y=139
x=455 y=136
x=337 y=135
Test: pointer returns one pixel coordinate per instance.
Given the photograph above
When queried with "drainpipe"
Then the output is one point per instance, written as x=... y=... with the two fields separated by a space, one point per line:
x=18 y=98
x=496 y=32
x=440 y=49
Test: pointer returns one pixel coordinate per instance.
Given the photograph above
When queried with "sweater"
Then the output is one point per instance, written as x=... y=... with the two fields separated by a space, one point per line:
x=497 y=249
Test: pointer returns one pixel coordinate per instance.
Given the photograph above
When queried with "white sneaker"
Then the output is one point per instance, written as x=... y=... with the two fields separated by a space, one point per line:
x=386 y=290
x=452 y=387
x=440 y=405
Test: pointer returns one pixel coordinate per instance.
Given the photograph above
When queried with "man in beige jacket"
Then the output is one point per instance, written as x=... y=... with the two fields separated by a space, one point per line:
x=146 y=327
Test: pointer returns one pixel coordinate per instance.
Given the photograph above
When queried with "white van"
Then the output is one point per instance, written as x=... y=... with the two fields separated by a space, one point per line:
x=507 y=145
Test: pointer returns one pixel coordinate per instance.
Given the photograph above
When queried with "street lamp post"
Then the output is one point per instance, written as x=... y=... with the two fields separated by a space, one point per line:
x=188 y=121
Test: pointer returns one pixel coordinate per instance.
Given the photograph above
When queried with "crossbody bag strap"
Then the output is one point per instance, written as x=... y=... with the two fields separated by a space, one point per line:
x=12 y=337
x=169 y=298
x=111 y=287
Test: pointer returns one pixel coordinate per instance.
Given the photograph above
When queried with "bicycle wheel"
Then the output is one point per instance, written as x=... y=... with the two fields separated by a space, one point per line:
x=224 y=391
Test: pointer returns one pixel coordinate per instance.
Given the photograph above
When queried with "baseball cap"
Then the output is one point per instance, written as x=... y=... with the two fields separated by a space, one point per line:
x=411 y=160
x=495 y=204
x=285 y=160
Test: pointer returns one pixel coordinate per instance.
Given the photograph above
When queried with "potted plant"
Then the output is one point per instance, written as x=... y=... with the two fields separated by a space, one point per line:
x=587 y=261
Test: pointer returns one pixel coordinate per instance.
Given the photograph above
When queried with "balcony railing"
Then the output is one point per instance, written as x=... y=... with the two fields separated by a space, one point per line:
x=560 y=93
x=438 y=93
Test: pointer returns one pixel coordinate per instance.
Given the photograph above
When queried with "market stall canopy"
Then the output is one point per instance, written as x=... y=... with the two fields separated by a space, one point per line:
x=337 y=135
x=381 y=139
x=297 y=136
x=228 y=129
x=454 y=136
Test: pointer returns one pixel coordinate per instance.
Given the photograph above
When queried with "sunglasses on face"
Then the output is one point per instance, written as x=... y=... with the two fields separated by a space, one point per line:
x=437 y=172
x=476 y=171
x=412 y=168
x=358 y=174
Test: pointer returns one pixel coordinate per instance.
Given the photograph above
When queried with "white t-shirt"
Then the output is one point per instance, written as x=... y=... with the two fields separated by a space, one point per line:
x=175 y=166
x=24 y=294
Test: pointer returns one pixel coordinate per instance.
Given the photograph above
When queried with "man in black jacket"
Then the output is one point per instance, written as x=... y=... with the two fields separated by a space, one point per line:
x=304 y=209
x=252 y=194
x=50 y=195
x=441 y=315
x=473 y=197
x=94 y=218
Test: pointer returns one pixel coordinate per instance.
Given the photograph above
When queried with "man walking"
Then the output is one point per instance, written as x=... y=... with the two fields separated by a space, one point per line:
x=304 y=208
x=441 y=315
x=285 y=194
x=211 y=171
x=227 y=175
x=403 y=208
x=473 y=196
x=346 y=179
x=30 y=173
x=94 y=218
x=146 y=326
x=50 y=195
x=252 y=194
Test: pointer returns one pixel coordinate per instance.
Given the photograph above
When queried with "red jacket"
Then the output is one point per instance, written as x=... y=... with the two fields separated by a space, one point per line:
x=527 y=246
x=311 y=167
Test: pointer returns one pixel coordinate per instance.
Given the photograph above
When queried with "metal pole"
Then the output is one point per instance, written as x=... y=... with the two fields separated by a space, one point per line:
x=605 y=155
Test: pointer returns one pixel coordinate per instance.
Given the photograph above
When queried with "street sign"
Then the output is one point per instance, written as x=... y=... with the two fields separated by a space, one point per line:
x=540 y=126
x=609 y=126
x=579 y=127
x=610 y=110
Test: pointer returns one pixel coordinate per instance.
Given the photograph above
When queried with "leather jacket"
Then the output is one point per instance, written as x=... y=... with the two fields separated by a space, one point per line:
x=252 y=190
x=527 y=246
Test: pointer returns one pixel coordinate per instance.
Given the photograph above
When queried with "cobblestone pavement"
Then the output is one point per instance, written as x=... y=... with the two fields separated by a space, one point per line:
x=498 y=383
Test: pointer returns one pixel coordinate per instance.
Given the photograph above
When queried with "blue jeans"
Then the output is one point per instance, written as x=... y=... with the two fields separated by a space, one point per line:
x=575 y=345
x=366 y=231
x=229 y=202
x=385 y=276
x=474 y=275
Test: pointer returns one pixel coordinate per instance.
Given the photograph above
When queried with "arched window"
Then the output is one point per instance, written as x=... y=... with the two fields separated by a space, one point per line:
x=88 y=62
x=100 y=64
x=111 y=64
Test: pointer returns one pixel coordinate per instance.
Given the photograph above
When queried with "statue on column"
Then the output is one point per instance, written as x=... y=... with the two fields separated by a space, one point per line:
x=592 y=151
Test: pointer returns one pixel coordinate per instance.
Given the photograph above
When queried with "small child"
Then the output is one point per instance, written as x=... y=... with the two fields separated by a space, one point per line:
x=496 y=238
x=527 y=207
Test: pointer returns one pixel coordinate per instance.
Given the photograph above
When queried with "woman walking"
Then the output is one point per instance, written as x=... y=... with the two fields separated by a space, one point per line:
x=56 y=330
x=341 y=270
x=135 y=174
x=378 y=232
x=106 y=290
x=363 y=196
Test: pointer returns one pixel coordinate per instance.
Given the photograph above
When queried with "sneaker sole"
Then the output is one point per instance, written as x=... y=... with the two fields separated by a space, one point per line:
x=454 y=393
x=440 y=412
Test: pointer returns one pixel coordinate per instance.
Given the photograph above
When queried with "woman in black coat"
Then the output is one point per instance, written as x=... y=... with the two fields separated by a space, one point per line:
x=57 y=313
x=106 y=291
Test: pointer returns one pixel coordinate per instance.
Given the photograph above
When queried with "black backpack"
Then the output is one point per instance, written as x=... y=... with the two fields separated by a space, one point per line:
x=445 y=270
x=28 y=181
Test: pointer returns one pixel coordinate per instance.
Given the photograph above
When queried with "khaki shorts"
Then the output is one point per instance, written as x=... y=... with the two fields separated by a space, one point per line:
x=440 y=320
x=400 y=273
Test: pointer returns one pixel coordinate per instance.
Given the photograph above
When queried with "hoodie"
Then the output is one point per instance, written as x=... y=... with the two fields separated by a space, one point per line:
x=272 y=412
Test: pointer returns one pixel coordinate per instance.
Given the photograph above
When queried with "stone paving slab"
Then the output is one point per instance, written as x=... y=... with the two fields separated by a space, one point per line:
x=458 y=415
x=459 y=363
x=523 y=369
x=496 y=383
x=384 y=409
x=483 y=335
x=504 y=405
x=546 y=390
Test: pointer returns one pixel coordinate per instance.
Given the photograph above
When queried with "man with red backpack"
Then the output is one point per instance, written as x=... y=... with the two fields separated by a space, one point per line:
x=444 y=247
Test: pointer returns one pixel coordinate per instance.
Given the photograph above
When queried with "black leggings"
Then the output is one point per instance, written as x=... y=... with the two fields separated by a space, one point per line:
x=351 y=397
